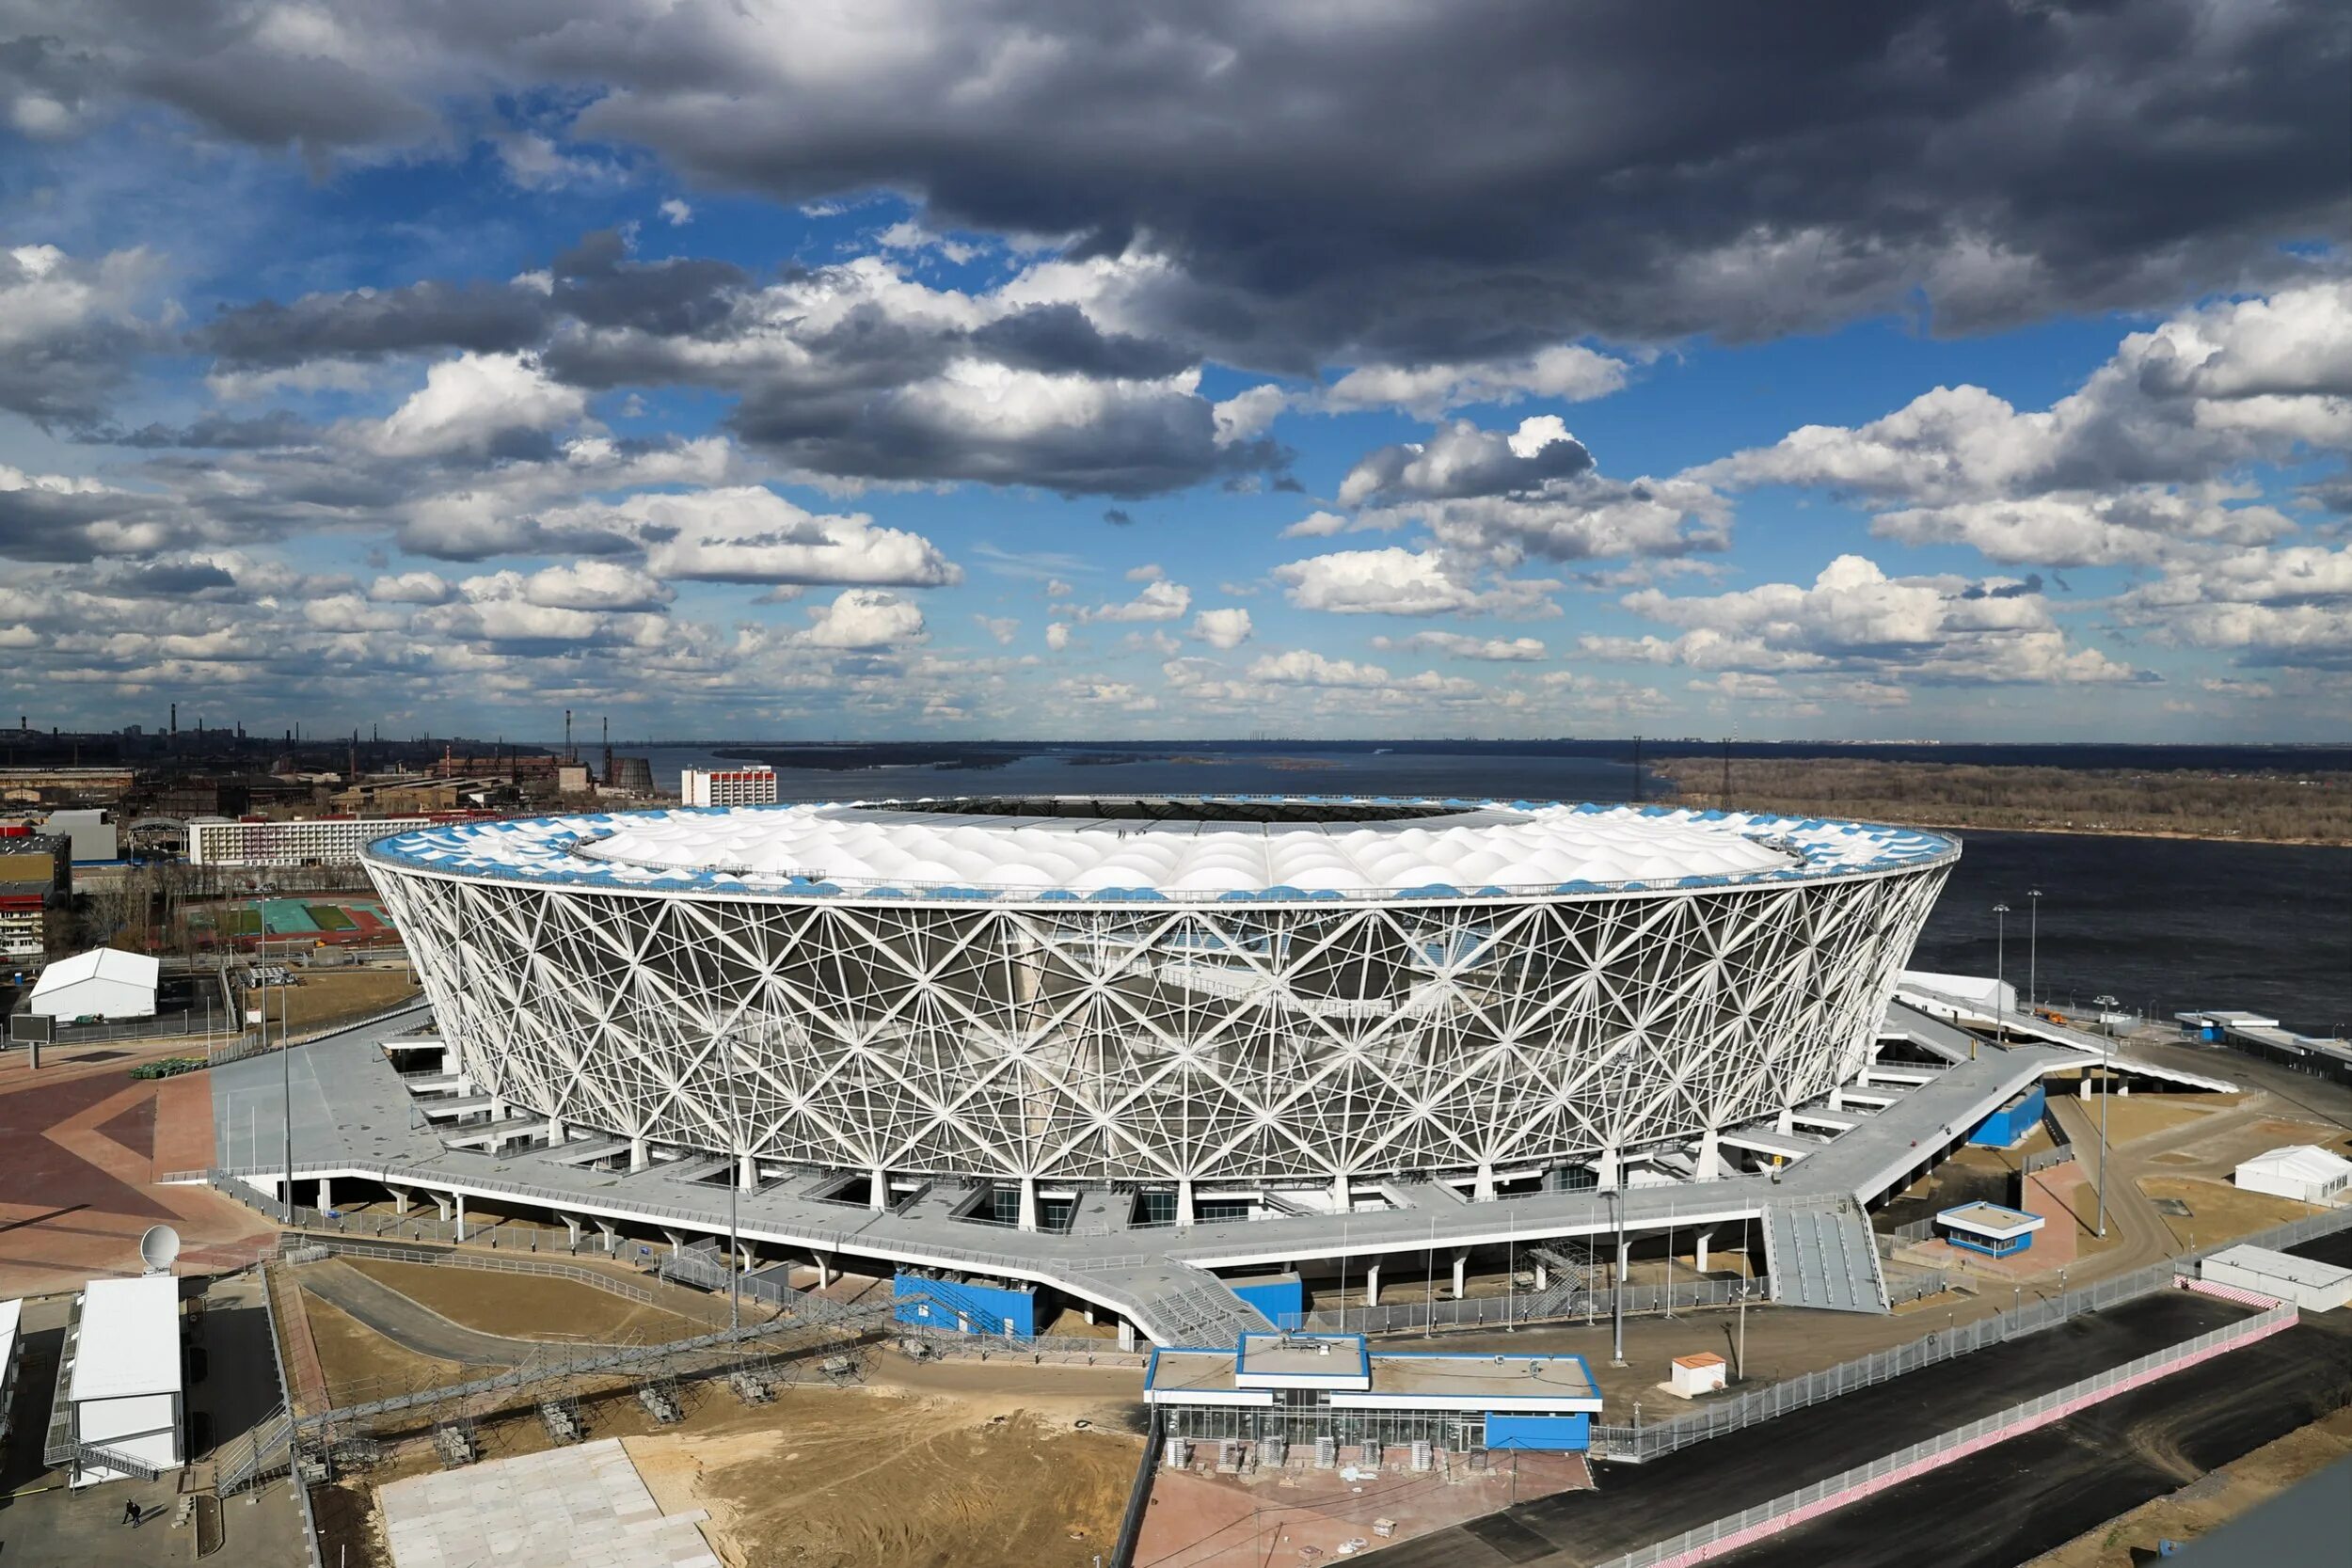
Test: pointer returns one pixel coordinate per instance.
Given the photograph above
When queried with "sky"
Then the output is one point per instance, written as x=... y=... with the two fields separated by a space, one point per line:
x=1076 y=369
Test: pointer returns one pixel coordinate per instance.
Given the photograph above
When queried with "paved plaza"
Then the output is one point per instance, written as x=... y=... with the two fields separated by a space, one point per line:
x=583 y=1506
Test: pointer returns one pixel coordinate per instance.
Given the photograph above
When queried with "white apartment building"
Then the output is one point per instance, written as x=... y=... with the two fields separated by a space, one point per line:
x=314 y=841
x=728 y=787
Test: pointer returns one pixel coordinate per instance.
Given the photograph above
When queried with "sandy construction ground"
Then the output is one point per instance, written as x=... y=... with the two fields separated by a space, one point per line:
x=2219 y=1211
x=832 y=1478
x=523 y=1306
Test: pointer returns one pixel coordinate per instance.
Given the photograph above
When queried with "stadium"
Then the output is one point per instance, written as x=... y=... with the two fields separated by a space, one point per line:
x=1192 y=998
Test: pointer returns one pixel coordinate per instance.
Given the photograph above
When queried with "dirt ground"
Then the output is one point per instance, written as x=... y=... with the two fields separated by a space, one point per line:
x=525 y=1306
x=2132 y=1117
x=2221 y=1211
x=2209 y=1501
x=837 y=1480
x=361 y=1364
x=331 y=995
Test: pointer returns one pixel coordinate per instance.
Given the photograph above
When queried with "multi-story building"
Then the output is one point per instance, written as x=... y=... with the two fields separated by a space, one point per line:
x=35 y=881
x=65 y=784
x=728 y=787
x=512 y=765
x=309 y=841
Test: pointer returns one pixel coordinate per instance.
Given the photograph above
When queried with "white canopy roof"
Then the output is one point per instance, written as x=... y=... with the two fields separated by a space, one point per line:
x=1304 y=849
x=130 y=1338
x=99 y=963
x=2303 y=1162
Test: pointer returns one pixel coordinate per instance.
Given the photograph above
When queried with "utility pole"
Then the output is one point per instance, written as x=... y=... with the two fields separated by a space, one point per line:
x=2000 y=966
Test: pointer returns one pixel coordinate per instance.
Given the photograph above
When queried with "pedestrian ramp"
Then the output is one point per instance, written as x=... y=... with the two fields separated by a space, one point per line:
x=1823 y=1254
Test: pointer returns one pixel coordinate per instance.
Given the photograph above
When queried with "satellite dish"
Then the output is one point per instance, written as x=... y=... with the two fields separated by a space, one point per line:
x=158 y=1246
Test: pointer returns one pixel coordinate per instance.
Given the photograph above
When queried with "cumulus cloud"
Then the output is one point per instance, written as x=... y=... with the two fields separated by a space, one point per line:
x=1854 y=618
x=471 y=402
x=2285 y=608
x=1223 y=629
x=1493 y=650
x=1159 y=600
x=749 y=535
x=863 y=618
x=70 y=328
x=2129 y=469
x=1566 y=372
x=411 y=588
x=1400 y=581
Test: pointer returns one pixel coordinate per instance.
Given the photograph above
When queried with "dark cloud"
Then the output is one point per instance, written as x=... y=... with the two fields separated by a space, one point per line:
x=166 y=580
x=597 y=284
x=1060 y=337
x=1457 y=180
x=369 y=324
x=277 y=428
x=1133 y=441
x=2022 y=589
x=41 y=524
x=1118 y=516
x=1460 y=460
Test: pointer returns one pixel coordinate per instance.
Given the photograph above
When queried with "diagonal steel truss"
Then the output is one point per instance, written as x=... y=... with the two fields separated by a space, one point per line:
x=1157 y=1044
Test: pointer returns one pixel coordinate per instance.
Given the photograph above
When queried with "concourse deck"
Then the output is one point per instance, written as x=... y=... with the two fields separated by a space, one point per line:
x=353 y=1116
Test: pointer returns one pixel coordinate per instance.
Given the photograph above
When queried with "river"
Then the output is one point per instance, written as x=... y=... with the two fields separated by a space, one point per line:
x=2165 y=924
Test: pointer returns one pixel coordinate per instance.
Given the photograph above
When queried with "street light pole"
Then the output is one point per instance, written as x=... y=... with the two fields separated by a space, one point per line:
x=2000 y=967
x=1616 y=1286
x=2106 y=1085
x=2033 y=947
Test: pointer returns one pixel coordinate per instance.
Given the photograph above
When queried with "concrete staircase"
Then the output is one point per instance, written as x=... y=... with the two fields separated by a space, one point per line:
x=1823 y=1254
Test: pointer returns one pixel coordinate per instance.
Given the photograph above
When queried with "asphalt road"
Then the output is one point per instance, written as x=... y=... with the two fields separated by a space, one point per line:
x=407 y=1324
x=2018 y=1499
x=1637 y=1504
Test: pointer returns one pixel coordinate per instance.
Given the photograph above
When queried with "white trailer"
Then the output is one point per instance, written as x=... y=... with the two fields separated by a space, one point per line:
x=123 y=1379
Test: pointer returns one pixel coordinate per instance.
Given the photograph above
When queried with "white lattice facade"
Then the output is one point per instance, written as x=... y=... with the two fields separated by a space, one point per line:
x=1256 y=1034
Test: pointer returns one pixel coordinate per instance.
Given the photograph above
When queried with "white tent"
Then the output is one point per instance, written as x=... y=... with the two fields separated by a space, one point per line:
x=2304 y=1172
x=102 y=983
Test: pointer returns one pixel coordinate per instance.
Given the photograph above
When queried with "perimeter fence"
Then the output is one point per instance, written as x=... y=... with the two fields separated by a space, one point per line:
x=1636 y=1444
x=1730 y=1533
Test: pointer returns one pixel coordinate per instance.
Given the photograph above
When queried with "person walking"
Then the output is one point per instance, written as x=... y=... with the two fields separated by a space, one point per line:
x=131 y=1512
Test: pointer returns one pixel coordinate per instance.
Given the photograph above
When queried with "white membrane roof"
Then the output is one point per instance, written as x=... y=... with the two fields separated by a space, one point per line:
x=130 y=1340
x=936 y=849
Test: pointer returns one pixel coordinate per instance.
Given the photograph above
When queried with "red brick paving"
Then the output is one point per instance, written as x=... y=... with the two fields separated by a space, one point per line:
x=80 y=1144
x=1199 y=1519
